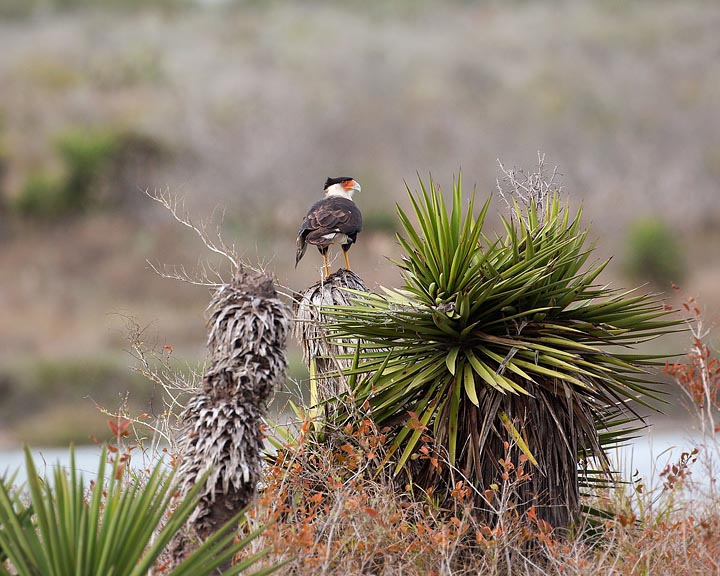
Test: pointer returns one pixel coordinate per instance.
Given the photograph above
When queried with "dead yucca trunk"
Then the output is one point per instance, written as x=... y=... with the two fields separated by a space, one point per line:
x=221 y=434
x=557 y=426
x=322 y=356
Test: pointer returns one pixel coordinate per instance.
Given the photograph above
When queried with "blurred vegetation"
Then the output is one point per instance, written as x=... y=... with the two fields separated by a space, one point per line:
x=28 y=8
x=86 y=154
x=136 y=66
x=3 y=168
x=380 y=221
x=55 y=401
x=43 y=195
x=92 y=165
x=654 y=253
x=77 y=423
x=257 y=111
x=51 y=402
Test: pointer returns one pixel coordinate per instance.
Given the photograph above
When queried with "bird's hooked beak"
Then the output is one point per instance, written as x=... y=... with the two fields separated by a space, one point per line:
x=351 y=186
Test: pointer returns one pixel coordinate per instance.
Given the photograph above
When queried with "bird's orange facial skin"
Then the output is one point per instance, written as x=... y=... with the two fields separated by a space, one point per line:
x=348 y=184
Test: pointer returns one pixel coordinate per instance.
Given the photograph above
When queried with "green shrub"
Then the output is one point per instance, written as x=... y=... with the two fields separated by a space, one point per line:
x=654 y=253
x=118 y=526
x=99 y=166
x=42 y=196
x=86 y=154
x=383 y=221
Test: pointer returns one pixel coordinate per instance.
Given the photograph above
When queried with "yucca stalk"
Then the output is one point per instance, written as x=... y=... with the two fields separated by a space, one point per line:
x=221 y=441
x=325 y=359
x=503 y=339
x=108 y=526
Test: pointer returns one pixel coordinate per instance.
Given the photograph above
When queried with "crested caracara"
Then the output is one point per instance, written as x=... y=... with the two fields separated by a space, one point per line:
x=333 y=220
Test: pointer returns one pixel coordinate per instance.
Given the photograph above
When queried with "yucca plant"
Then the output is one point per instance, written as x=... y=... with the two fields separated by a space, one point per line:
x=221 y=439
x=495 y=340
x=110 y=527
x=22 y=511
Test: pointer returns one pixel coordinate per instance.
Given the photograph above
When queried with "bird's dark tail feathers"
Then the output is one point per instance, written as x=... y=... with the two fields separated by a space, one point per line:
x=300 y=252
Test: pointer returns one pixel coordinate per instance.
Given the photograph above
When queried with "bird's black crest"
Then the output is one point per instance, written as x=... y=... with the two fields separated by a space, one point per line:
x=330 y=181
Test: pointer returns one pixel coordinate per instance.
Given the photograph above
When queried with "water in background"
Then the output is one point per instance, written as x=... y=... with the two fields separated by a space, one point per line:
x=47 y=459
x=647 y=455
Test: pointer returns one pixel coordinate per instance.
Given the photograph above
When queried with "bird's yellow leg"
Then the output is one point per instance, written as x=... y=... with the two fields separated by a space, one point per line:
x=347 y=262
x=327 y=267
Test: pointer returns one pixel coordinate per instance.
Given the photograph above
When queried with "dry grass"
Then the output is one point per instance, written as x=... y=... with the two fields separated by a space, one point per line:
x=335 y=512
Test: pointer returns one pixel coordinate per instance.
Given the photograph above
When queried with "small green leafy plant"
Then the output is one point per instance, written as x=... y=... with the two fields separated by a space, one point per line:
x=111 y=527
x=654 y=253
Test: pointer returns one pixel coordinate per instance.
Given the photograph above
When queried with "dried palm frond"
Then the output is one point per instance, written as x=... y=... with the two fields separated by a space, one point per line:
x=221 y=436
x=325 y=358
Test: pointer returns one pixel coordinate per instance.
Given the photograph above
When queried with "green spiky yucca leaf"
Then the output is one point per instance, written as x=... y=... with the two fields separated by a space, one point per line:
x=484 y=328
x=107 y=528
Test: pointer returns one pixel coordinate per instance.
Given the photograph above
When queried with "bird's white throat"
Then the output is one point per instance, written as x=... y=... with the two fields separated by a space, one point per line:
x=338 y=190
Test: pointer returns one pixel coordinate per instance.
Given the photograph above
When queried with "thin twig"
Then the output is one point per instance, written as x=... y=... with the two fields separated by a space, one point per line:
x=176 y=207
x=526 y=188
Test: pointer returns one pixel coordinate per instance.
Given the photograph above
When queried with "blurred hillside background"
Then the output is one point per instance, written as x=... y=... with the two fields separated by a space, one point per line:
x=245 y=107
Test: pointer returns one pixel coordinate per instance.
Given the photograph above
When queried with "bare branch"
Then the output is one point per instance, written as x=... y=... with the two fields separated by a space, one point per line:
x=217 y=245
x=527 y=188
x=207 y=274
x=155 y=363
x=178 y=272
